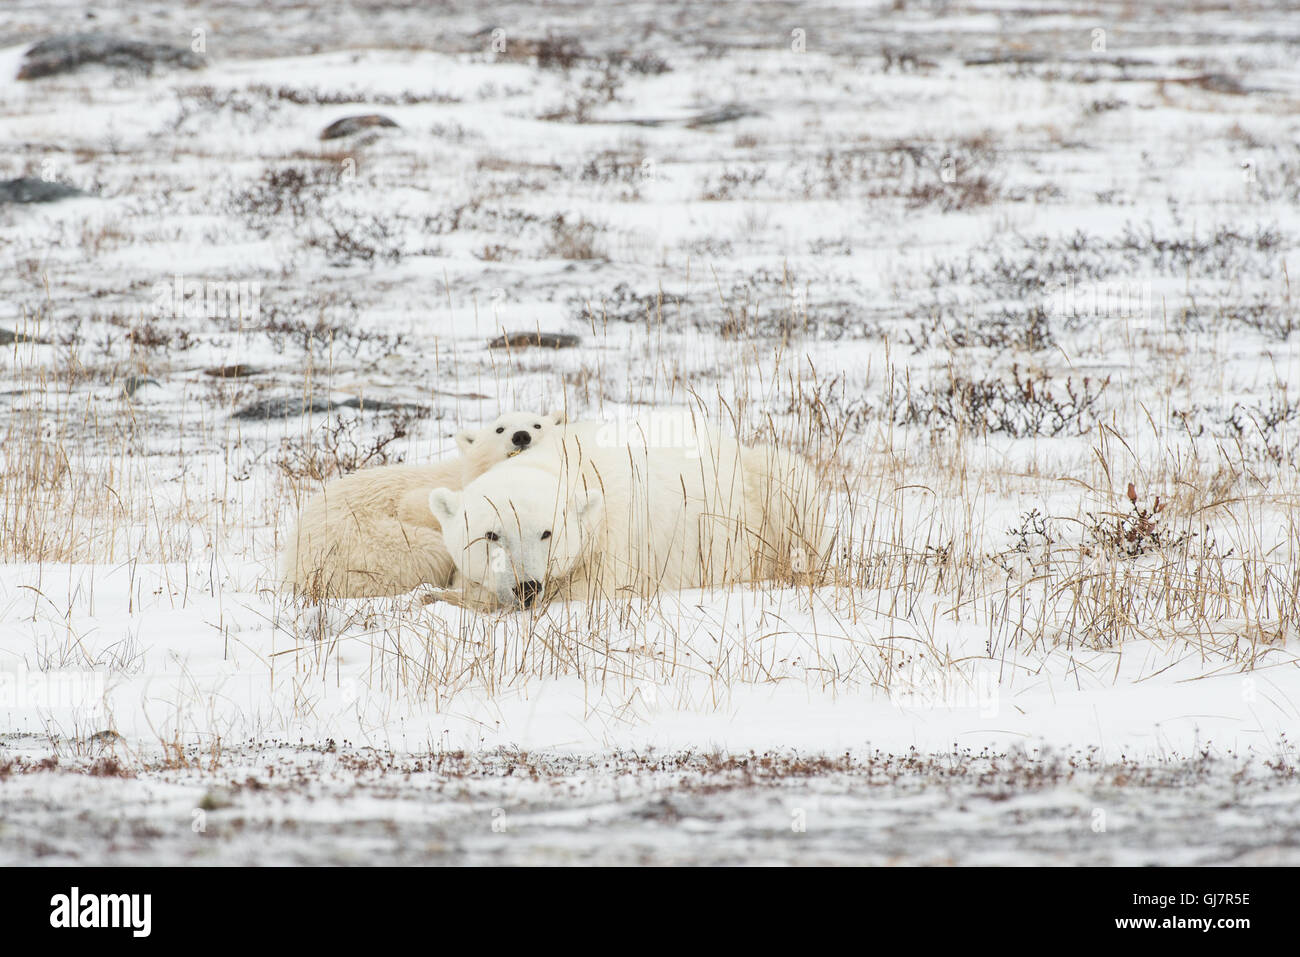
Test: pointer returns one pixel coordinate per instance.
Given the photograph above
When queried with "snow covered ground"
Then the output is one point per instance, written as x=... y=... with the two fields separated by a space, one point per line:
x=1018 y=280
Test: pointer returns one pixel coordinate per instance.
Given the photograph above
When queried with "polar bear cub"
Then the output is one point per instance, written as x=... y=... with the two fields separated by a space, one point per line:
x=605 y=511
x=371 y=533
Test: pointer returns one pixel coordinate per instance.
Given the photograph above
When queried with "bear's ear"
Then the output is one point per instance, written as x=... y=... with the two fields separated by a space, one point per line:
x=587 y=505
x=444 y=503
x=464 y=439
x=559 y=417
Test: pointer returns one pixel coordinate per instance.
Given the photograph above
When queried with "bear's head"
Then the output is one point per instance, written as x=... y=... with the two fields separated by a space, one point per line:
x=515 y=533
x=509 y=435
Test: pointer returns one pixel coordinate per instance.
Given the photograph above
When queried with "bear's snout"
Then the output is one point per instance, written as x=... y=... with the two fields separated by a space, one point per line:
x=527 y=592
x=521 y=439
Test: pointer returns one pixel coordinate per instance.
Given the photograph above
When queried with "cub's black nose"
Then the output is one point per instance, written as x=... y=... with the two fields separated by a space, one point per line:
x=527 y=593
x=521 y=439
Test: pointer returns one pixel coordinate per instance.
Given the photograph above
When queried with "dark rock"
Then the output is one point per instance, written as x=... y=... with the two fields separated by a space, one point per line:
x=287 y=407
x=63 y=54
x=477 y=396
x=30 y=189
x=8 y=337
x=375 y=405
x=1006 y=57
x=217 y=799
x=239 y=371
x=725 y=114
x=284 y=407
x=135 y=383
x=547 y=340
x=1220 y=83
x=354 y=124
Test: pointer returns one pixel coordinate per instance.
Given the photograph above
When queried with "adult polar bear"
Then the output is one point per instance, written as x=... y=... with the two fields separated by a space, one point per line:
x=669 y=502
x=371 y=533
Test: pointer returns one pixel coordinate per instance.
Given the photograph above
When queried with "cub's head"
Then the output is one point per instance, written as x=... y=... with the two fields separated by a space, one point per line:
x=515 y=533
x=509 y=435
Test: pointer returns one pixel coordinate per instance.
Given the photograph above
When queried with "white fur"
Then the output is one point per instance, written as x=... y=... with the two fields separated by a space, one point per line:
x=631 y=517
x=371 y=532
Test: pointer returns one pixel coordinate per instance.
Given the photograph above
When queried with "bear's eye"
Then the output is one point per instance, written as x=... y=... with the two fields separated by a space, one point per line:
x=536 y=426
x=491 y=536
x=546 y=534
x=500 y=429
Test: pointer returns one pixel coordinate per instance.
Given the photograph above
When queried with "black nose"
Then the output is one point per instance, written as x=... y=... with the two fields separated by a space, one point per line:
x=521 y=439
x=527 y=593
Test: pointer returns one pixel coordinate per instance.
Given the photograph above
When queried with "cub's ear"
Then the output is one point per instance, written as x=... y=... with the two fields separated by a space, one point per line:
x=464 y=439
x=560 y=417
x=444 y=503
x=587 y=505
